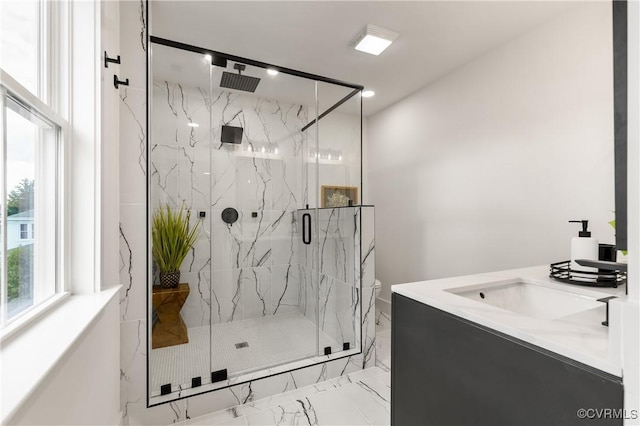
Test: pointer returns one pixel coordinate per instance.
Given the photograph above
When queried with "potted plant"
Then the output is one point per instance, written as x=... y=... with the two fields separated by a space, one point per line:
x=171 y=238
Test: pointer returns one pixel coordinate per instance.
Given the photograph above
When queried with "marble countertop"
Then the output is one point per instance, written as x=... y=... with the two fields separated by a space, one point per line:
x=580 y=336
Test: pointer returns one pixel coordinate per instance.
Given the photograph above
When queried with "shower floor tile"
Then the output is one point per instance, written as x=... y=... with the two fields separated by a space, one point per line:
x=239 y=346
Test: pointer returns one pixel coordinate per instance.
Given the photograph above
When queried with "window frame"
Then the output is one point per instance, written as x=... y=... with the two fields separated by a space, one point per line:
x=9 y=87
x=51 y=102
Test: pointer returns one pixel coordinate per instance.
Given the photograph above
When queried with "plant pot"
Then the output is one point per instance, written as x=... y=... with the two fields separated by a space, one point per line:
x=169 y=279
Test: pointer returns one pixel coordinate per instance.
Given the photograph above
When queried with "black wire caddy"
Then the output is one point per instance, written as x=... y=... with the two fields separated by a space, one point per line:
x=607 y=274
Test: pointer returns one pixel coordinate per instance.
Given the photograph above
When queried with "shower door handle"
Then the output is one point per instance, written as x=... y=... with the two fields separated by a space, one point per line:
x=306 y=228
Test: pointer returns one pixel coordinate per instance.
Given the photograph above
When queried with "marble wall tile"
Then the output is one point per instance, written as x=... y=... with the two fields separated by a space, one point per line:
x=286 y=183
x=193 y=177
x=347 y=314
x=133 y=243
x=163 y=174
x=285 y=237
x=327 y=290
x=199 y=257
x=133 y=45
x=133 y=381
x=226 y=295
x=224 y=172
x=368 y=327
x=258 y=266
x=339 y=311
x=307 y=293
x=344 y=366
x=337 y=243
x=367 y=263
x=256 y=292
x=196 y=311
x=133 y=340
x=179 y=153
x=133 y=141
x=254 y=183
x=284 y=289
x=245 y=243
x=199 y=405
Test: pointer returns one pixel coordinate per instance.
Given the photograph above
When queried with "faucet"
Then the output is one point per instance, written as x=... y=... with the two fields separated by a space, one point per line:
x=606 y=300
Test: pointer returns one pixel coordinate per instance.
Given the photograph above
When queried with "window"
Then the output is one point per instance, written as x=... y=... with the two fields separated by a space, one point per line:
x=31 y=145
x=20 y=23
x=24 y=233
x=29 y=188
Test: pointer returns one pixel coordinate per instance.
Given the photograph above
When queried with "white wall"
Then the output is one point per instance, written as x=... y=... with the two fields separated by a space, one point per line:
x=110 y=143
x=339 y=133
x=482 y=170
x=631 y=309
x=84 y=388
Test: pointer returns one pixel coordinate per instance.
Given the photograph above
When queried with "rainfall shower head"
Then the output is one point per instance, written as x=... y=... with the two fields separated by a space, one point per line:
x=239 y=81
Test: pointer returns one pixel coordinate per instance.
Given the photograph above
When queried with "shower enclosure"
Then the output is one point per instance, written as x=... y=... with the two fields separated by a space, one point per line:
x=267 y=161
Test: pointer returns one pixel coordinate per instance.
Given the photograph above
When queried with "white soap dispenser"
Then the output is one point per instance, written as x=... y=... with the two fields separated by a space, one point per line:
x=583 y=247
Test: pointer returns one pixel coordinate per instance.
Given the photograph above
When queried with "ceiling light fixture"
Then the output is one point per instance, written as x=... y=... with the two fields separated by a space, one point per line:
x=193 y=125
x=271 y=71
x=374 y=39
x=368 y=93
x=207 y=57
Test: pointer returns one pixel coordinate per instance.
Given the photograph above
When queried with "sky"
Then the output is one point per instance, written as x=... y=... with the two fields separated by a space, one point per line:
x=18 y=58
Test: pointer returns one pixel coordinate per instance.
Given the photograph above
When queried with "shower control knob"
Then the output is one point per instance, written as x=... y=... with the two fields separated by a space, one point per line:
x=230 y=215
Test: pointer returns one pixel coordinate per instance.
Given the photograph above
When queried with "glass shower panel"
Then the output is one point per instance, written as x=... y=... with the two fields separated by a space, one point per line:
x=258 y=185
x=180 y=178
x=338 y=163
x=268 y=166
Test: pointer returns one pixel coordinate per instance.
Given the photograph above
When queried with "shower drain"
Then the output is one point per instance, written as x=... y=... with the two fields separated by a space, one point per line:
x=242 y=345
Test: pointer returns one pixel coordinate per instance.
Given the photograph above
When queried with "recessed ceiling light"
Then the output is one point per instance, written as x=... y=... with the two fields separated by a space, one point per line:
x=271 y=71
x=368 y=93
x=193 y=125
x=374 y=39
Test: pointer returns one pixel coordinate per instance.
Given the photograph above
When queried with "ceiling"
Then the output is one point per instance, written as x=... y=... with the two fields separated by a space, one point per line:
x=436 y=37
x=193 y=70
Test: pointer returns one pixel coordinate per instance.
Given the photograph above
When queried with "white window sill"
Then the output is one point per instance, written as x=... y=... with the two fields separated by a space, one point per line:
x=28 y=356
x=24 y=320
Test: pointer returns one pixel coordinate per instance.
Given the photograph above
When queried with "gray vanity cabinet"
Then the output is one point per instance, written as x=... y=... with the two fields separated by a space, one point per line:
x=449 y=371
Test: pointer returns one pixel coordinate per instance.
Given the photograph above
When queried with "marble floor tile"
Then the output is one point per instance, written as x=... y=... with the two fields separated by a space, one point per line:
x=361 y=398
x=383 y=340
x=383 y=348
x=383 y=320
x=372 y=397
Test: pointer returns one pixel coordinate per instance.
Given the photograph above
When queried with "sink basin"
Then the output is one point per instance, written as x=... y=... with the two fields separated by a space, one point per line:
x=528 y=299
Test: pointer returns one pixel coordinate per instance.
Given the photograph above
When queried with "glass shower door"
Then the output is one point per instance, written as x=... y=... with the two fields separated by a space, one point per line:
x=179 y=178
x=267 y=166
x=258 y=185
x=338 y=166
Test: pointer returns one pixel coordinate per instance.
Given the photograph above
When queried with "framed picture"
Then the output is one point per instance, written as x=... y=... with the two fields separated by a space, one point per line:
x=339 y=196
